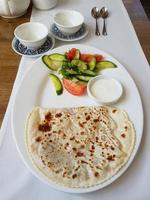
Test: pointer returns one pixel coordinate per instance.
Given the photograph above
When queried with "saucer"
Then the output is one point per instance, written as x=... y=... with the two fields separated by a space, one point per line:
x=24 y=51
x=69 y=38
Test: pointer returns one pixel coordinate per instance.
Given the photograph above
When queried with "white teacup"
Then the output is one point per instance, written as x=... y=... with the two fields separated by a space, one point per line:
x=31 y=34
x=13 y=8
x=44 y=4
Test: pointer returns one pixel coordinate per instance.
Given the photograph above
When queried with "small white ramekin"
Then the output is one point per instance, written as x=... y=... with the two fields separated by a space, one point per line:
x=31 y=34
x=68 y=21
x=117 y=84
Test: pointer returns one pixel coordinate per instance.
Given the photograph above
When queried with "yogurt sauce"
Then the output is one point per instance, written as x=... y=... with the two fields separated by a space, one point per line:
x=106 y=90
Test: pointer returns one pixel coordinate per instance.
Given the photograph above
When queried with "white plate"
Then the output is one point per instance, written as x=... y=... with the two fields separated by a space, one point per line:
x=82 y=33
x=36 y=90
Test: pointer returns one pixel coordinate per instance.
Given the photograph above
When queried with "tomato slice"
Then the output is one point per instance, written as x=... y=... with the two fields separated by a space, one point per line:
x=98 y=57
x=87 y=57
x=71 y=54
x=74 y=88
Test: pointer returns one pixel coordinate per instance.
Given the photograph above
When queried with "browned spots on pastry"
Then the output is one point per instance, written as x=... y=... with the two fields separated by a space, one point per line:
x=58 y=115
x=64 y=174
x=44 y=127
x=74 y=176
x=38 y=139
x=64 y=135
x=114 y=110
x=48 y=116
x=83 y=161
x=112 y=148
x=106 y=145
x=81 y=125
x=96 y=120
x=74 y=149
x=104 y=122
x=72 y=138
x=123 y=135
x=100 y=143
x=76 y=169
x=43 y=162
x=79 y=154
x=125 y=127
x=87 y=118
x=91 y=141
x=96 y=139
x=82 y=146
x=50 y=141
x=98 y=167
x=77 y=141
x=82 y=133
x=110 y=158
x=96 y=174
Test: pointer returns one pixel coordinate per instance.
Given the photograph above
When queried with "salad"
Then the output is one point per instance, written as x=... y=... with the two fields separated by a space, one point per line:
x=75 y=69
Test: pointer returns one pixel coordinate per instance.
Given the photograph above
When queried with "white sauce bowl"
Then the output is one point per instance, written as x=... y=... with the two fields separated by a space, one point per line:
x=31 y=34
x=104 y=90
x=68 y=21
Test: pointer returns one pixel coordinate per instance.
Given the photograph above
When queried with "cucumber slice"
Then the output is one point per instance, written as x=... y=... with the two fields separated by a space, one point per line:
x=105 y=65
x=57 y=56
x=57 y=84
x=71 y=72
x=77 y=55
x=88 y=72
x=83 y=78
x=92 y=63
x=80 y=64
x=51 y=64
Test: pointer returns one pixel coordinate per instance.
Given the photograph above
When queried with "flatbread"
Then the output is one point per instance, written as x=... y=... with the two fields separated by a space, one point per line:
x=79 y=147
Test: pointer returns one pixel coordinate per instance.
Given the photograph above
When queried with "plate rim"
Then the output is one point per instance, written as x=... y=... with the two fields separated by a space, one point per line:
x=111 y=179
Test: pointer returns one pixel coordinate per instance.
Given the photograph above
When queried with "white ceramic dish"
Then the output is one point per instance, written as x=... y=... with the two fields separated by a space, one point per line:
x=31 y=34
x=104 y=90
x=68 y=21
x=36 y=89
x=44 y=4
x=79 y=35
x=32 y=53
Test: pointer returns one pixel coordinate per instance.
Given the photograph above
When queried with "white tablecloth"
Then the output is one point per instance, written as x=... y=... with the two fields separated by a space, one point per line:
x=16 y=181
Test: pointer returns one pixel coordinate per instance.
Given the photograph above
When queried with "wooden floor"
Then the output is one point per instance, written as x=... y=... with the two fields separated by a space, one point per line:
x=9 y=61
x=146 y=6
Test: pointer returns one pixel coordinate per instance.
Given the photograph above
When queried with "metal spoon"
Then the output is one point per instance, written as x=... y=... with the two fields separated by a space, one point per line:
x=96 y=14
x=104 y=14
